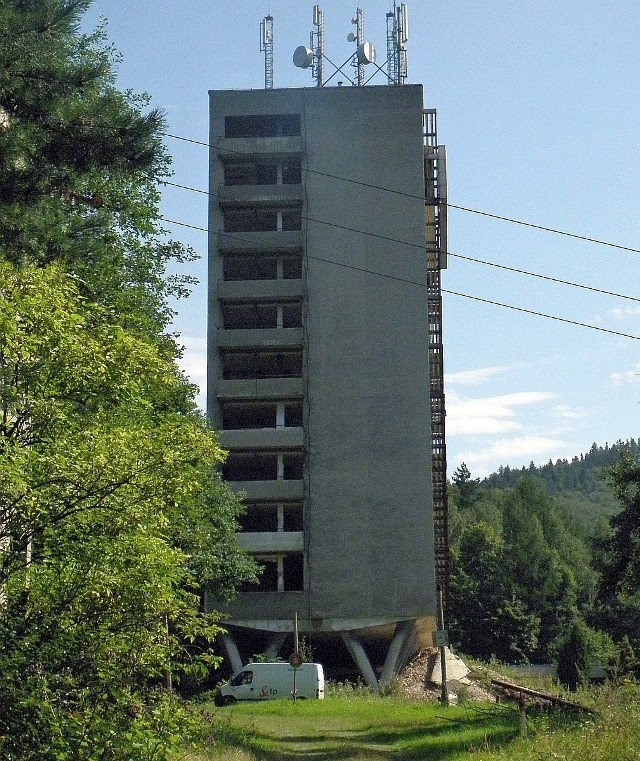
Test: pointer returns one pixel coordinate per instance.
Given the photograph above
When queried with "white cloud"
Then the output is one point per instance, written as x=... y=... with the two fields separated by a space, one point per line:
x=475 y=377
x=193 y=364
x=565 y=412
x=629 y=376
x=489 y=415
x=621 y=313
x=511 y=451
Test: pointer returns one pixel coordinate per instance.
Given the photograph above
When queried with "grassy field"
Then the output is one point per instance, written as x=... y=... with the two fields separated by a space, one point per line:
x=363 y=727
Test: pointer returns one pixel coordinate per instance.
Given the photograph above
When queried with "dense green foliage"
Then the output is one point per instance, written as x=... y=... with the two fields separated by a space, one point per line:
x=113 y=517
x=529 y=566
x=574 y=655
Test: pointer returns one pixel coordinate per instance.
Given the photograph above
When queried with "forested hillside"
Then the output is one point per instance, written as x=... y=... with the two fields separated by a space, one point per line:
x=534 y=552
x=577 y=486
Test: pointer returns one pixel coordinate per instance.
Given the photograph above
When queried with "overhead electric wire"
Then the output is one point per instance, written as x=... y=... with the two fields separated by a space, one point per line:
x=449 y=253
x=533 y=225
x=423 y=285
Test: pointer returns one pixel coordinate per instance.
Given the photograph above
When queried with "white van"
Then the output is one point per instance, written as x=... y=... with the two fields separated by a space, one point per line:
x=268 y=681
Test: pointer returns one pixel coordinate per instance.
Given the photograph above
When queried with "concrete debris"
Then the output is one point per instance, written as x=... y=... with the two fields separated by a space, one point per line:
x=421 y=678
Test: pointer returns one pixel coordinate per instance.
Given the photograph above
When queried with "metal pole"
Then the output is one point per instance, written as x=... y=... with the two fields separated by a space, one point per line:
x=444 y=695
x=296 y=650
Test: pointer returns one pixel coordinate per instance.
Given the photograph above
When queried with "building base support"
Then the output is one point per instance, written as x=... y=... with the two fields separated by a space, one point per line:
x=357 y=652
x=397 y=651
x=275 y=645
x=233 y=654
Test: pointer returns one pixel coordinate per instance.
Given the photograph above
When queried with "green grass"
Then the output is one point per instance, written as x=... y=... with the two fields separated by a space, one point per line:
x=354 y=729
x=364 y=727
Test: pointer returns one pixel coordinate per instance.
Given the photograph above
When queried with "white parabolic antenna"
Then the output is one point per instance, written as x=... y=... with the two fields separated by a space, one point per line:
x=366 y=53
x=302 y=57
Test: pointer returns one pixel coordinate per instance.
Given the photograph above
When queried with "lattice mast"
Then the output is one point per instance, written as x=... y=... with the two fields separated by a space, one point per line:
x=266 y=46
x=317 y=46
x=358 y=20
x=397 y=36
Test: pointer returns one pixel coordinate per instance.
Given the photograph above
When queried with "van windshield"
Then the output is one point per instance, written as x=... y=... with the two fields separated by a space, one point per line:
x=244 y=677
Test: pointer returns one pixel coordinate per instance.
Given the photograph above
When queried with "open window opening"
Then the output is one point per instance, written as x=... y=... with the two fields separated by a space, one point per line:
x=267 y=517
x=262 y=125
x=260 y=267
x=284 y=573
x=259 y=316
x=250 y=365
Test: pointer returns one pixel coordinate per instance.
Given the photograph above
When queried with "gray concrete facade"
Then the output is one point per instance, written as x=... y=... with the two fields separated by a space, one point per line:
x=318 y=366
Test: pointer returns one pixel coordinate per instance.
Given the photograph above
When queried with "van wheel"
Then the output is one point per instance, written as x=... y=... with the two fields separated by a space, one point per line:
x=229 y=700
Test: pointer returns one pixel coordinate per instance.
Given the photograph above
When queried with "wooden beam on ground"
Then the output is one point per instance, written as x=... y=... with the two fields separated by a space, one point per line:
x=521 y=692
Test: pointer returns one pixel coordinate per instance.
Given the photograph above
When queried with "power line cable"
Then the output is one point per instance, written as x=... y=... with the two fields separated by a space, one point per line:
x=532 y=225
x=449 y=253
x=444 y=290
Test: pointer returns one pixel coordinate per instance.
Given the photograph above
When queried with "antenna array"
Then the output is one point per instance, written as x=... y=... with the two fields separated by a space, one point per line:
x=313 y=57
x=266 y=46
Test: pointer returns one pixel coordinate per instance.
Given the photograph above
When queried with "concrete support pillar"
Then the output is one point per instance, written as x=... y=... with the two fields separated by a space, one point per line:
x=392 y=663
x=275 y=645
x=360 y=657
x=233 y=654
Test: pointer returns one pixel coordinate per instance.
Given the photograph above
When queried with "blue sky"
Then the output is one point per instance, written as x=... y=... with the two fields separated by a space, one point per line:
x=539 y=107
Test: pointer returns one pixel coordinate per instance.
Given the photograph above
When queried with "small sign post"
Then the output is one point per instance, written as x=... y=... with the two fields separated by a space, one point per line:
x=295 y=659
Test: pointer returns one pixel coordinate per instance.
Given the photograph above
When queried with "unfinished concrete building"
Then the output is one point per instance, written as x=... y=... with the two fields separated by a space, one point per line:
x=327 y=236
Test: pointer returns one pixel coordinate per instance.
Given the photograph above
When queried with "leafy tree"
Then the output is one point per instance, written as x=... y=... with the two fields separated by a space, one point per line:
x=79 y=164
x=113 y=517
x=109 y=501
x=466 y=488
x=620 y=559
x=486 y=617
x=574 y=656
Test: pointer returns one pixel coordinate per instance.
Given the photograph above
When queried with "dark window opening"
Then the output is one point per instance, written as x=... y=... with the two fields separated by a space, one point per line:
x=292 y=219
x=247 y=267
x=293 y=572
x=255 y=315
x=256 y=173
x=293 y=414
x=268 y=581
x=293 y=466
x=249 y=316
x=292 y=517
x=237 y=416
x=250 y=365
x=251 y=467
x=250 y=268
x=292 y=315
x=260 y=518
x=251 y=220
x=292 y=171
x=292 y=267
x=262 y=125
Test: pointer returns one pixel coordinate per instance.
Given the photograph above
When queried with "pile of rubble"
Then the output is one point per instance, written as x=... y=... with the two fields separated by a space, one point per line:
x=421 y=678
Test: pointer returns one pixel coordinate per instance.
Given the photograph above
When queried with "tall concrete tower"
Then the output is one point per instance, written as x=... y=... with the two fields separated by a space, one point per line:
x=319 y=350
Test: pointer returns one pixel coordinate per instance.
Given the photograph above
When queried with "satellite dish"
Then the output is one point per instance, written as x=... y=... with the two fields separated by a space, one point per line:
x=302 y=57
x=366 y=53
x=351 y=37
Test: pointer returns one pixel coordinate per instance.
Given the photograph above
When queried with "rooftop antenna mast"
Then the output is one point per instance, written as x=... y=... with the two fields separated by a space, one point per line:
x=266 y=46
x=358 y=20
x=397 y=35
x=313 y=57
x=317 y=45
